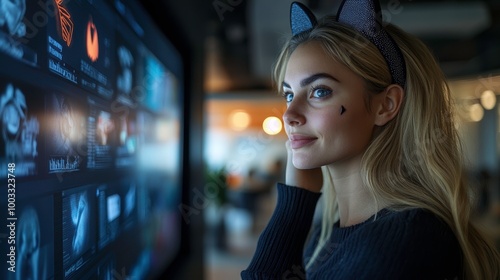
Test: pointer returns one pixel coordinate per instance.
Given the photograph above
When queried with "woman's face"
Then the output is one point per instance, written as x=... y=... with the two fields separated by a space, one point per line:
x=327 y=120
x=11 y=15
x=11 y=120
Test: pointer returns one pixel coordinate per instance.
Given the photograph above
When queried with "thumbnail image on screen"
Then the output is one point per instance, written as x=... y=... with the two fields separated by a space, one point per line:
x=66 y=133
x=126 y=126
x=158 y=84
x=109 y=204
x=78 y=228
x=126 y=188
x=101 y=131
x=127 y=90
x=20 y=110
x=17 y=37
x=34 y=240
x=125 y=68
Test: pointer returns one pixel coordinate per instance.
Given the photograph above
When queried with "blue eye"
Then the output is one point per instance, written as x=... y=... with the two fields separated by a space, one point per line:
x=320 y=92
x=288 y=96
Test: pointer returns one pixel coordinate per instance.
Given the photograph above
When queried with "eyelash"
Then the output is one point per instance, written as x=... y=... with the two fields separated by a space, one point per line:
x=315 y=88
x=285 y=94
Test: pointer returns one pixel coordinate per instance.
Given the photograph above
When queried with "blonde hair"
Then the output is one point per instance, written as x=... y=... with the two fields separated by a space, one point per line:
x=415 y=160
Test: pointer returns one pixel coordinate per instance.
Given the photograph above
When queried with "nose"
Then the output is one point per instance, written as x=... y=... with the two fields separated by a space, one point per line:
x=294 y=115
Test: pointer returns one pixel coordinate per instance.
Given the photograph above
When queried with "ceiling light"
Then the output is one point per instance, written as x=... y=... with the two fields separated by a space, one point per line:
x=476 y=112
x=488 y=99
x=272 y=125
x=239 y=120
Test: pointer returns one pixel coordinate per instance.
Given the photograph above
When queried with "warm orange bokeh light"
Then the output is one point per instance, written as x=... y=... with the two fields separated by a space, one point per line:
x=272 y=125
x=239 y=120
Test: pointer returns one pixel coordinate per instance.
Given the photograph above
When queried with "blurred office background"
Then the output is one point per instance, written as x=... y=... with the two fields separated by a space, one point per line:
x=236 y=135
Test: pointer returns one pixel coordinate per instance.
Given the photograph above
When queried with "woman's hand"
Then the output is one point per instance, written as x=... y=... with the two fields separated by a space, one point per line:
x=310 y=179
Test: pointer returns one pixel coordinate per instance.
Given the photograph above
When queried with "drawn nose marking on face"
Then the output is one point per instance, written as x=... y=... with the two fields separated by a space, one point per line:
x=342 y=109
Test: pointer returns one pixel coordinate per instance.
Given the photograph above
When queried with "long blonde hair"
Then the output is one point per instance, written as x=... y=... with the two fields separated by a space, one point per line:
x=415 y=160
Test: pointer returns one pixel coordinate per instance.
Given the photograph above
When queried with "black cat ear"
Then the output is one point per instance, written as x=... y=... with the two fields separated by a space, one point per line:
x=366 y=17
x=301 y=18
x=363 y=15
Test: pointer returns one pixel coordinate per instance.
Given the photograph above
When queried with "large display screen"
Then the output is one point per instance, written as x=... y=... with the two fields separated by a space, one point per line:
x=90 y=141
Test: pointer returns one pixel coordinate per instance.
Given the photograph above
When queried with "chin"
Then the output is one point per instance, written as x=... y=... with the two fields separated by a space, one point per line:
x=304 y=163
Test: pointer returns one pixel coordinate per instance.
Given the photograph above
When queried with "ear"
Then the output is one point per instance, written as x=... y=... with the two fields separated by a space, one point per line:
x=389 y=104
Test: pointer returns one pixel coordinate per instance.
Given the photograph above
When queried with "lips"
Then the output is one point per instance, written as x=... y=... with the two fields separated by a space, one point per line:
x=299 y=141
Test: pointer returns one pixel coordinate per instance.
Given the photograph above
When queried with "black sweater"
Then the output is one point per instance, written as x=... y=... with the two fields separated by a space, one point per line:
x=409 y=244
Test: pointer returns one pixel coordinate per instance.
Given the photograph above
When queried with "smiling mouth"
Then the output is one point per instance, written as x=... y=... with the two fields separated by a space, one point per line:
x=298 y=142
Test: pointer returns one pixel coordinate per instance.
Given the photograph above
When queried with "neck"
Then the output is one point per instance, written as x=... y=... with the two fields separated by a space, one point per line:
x=355 y=202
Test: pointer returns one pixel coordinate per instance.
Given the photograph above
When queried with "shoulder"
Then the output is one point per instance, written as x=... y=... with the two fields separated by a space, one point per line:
x=409 y=244
x=417 y=223
x=415 y=230
x=409 y=217
x=418 y=241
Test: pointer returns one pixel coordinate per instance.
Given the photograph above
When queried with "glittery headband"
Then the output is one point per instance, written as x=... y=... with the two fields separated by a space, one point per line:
x=365 y=17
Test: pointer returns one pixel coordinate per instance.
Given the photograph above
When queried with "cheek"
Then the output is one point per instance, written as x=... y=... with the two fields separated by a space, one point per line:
x=329 y=122
x=349 y=124
x=286 y=127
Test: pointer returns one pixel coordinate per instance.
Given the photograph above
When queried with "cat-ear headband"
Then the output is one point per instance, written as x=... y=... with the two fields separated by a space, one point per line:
x=364 y=16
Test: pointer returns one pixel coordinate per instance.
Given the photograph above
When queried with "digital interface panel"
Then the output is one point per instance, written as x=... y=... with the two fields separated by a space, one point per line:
x=80 y=45
x=90 y=146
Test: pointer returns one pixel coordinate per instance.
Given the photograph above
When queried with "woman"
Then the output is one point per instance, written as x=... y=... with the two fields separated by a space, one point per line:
x=371 y=131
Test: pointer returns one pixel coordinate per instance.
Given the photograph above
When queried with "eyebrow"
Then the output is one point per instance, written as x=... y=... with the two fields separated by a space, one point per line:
x=313 y=78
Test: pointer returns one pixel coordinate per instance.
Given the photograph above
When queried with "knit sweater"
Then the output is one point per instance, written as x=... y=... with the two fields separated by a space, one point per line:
x=408 y=244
